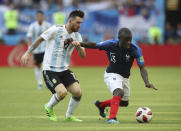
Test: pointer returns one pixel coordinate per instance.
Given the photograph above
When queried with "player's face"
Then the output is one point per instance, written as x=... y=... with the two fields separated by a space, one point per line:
x=40 y=17
x=125 y=41
x=75 y=24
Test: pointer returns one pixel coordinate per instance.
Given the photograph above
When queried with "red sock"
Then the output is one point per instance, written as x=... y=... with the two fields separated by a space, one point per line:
x=114 y=106
x=105 y=103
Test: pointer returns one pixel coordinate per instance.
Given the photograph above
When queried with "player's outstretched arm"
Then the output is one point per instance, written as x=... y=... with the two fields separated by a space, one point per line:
x=144 y=75
x=25 y=58
x=91 y=45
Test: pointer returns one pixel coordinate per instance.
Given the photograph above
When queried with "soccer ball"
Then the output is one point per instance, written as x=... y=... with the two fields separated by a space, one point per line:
x=143 y=115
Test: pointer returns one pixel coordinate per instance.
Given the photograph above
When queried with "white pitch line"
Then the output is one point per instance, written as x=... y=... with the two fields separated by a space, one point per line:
x=113 y=127
x=82 y=116
x=31 y=116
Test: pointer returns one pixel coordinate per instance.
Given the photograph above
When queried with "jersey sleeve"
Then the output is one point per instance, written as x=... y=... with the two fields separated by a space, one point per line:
x=104 y=45
x=139 y=56
x=30 y=31
x=49 y=34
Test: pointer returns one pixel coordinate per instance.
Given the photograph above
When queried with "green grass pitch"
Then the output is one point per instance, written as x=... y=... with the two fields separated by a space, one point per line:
x=21 y=103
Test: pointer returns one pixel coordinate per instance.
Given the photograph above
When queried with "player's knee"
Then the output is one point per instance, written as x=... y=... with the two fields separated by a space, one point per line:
x=124 y=103
x=118 y=92
x=62 y=94
x=77 y=93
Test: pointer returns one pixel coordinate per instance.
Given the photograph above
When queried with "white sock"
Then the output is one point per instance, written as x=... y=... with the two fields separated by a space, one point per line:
x=53 y=101
x=71 y=107
x=38 y=74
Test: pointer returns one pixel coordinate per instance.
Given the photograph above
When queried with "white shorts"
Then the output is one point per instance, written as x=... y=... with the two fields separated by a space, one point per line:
x=114 y=81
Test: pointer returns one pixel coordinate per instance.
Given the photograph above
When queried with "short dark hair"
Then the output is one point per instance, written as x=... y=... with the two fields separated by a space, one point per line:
x=75 y=13
x=124 y=31
x=41 y=12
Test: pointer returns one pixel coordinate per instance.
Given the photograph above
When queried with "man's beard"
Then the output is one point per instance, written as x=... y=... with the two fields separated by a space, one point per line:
x=74 y=30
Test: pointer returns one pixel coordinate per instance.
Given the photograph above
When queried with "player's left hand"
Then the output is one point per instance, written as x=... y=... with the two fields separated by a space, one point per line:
x=151 y=86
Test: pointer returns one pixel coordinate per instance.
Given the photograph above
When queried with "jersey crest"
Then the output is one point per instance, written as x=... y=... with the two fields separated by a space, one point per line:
x=127 y=57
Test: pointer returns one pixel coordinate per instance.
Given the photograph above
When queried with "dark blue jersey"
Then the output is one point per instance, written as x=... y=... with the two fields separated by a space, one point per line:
x=121 y=60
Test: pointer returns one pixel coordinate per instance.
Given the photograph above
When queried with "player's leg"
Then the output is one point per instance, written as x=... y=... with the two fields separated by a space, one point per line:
x=38 y=59
x=103 y=104
x=73 y=87
x=114 y=105
x=75 y=90
x=38 y=74
x=60 y=93
x=114 y=83
x=58 y=90
x=126 y=88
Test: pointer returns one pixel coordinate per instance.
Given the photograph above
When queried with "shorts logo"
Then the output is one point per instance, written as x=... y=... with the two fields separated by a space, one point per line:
x=54 y=80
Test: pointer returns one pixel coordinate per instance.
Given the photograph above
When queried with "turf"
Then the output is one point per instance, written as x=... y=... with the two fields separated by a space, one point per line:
x=21 y=103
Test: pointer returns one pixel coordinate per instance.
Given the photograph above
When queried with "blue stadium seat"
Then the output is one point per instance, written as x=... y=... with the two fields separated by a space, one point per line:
x=12 y=39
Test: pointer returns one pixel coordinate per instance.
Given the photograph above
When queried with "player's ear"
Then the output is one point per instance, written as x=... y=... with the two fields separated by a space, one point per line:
x=70 y=20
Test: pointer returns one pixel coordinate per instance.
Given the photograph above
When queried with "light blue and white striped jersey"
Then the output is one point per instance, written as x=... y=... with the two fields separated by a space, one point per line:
x=34 y=31
x=57 y=55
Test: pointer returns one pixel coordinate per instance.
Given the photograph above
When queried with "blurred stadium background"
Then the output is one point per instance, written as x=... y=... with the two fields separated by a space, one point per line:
x=156 y=27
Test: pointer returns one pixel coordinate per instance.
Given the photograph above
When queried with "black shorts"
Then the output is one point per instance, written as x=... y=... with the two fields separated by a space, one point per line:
x=52 y=79
x=38 y=58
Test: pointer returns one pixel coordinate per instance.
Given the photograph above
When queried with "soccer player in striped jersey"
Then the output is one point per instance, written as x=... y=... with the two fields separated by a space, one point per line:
x=34 y=31
x=121 y=54
x=58 y=78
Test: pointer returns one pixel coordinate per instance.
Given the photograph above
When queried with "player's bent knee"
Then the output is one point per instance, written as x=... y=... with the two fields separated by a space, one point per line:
x=61 y=91
x=61 y=94
x=77 y=93
x=64 y=93
x=124 y=103
x=118 y=92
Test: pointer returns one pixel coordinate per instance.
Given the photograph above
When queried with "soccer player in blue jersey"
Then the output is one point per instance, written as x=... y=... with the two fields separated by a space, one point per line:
x=121 y=54
x=58 y=78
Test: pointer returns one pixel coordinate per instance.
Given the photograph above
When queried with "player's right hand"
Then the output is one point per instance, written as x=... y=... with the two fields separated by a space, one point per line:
x=76 y=43
x=151 y=86
x=25 y=58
